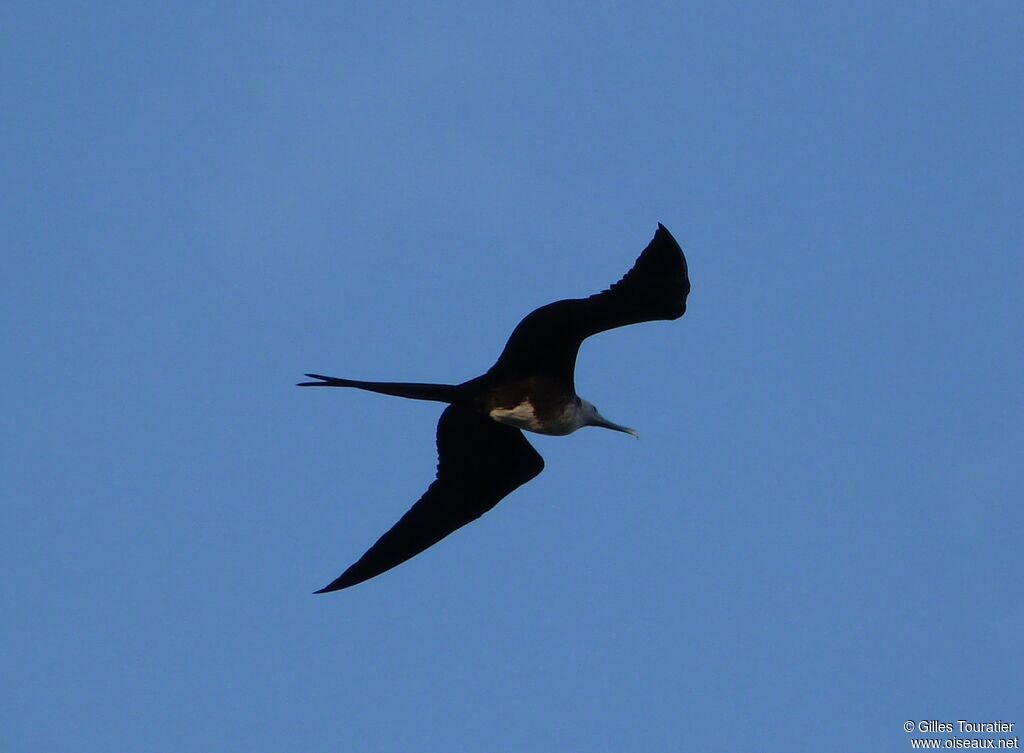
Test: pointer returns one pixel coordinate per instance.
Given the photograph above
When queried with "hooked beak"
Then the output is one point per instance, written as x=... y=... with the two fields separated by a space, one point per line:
x=604 y=423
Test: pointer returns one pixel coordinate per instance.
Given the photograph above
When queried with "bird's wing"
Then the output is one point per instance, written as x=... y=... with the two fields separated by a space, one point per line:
x=480 y=462
x=546 y=341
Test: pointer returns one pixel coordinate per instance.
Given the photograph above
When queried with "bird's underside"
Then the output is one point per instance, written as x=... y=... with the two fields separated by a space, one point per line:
x=482 y=456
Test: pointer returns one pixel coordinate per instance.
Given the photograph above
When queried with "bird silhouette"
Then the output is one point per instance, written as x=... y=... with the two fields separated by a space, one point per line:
x=483 y=455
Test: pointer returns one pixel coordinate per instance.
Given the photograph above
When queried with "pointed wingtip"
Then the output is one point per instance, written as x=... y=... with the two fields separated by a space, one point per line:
x=342 y=581
x=666 y=235
x=331 y=588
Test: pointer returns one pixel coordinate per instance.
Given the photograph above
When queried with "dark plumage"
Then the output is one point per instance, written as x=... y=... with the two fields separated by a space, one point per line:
x=482 y=454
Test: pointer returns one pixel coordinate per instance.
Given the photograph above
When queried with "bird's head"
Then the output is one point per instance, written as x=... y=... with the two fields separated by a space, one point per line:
x=591 y=417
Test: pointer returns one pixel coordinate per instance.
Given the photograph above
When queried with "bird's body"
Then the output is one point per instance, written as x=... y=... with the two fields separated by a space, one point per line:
x=557 y=417
x=538 y=404
x=482 y=454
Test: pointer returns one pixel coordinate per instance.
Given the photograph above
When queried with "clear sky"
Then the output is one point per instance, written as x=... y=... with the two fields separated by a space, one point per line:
x=818 y=535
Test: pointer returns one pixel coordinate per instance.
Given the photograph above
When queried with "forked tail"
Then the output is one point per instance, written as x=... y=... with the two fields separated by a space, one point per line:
x=441 y=393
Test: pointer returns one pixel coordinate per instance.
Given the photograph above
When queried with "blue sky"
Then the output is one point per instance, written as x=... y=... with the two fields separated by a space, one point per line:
x=817 y=536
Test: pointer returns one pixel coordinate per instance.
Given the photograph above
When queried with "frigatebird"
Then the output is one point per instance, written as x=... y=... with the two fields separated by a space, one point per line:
x=482 y=454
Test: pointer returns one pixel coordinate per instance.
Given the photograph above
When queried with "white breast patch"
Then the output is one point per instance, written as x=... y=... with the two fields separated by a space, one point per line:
x=521 y=416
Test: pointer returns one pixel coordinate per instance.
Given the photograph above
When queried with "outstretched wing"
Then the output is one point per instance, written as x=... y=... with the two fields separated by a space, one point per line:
x=480 y=462
x=546 y=341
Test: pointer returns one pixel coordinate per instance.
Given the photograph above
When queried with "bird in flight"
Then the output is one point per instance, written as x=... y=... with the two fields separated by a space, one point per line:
x=482 y=453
